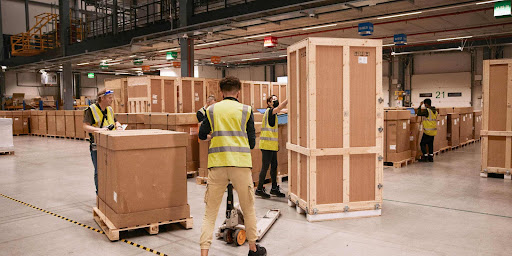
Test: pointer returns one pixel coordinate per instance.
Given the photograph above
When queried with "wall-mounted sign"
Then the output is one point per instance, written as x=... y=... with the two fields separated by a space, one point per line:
x=270 y=41
x=103 y=65
x=365 y=29
x=176 y=64
x=137 y=62
x=400 y=39
x=503 y=9
x=171 y=55
x=90 y=75
x=146 y=68
x=215 y=59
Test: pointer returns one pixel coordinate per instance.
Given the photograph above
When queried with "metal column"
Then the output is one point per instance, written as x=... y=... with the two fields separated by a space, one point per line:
x=27 y=17
x=67 y=86
x=273 y=73
x=1 y=38
x=114 y=17
x=64 y=25
x=187 y=57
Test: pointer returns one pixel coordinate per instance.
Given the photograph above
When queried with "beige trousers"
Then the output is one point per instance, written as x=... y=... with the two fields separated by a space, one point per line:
x=218 y=179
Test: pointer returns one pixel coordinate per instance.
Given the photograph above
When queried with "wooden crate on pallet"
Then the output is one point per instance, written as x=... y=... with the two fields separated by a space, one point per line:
x=152 y=94
x=246 y=93
x=279 y=89
x=213 y=88
x=335 y=128
x=120 y=88
x=261 y=91
x=192 y=94
x=497 y=118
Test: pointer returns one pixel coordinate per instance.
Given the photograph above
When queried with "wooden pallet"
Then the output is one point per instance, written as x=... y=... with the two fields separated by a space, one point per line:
x=21 y=134
x=113 y=233
x=443 y=150
x=7 y=153
x=467 y=143
x=192 y=174
x=347 y=214
x=503 y=176
x=400 y=164
x=201 y=180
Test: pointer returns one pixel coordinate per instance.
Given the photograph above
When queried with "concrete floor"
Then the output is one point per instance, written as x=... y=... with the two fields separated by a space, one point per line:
x=443 y=208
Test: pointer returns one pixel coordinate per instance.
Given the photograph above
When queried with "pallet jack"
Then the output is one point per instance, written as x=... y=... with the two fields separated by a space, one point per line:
x=233 y=228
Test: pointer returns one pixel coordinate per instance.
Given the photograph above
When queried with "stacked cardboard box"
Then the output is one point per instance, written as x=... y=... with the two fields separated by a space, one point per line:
x=415 y=136
x=453 y=130
x=477 y=124
x=60 y=123
x=69 y=116
x=17 y=122
x=441 y=140
x=51 y=122
x=161 y=121
x=43 y=125
x=397 y=135
x=6 y=141
x=34 y=122
x=187 y=122
x=79 y=125
x=141 y=181
x=466 y=123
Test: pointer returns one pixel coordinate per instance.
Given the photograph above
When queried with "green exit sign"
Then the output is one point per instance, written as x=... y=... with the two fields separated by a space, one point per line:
x=172 y=55
x=503 y=9
x=90 y=75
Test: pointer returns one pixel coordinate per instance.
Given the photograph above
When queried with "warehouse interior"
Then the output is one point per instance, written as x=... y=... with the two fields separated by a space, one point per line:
x=350 y=160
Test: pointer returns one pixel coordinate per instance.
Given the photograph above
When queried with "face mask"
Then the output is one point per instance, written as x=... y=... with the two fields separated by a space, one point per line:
x=276 y=103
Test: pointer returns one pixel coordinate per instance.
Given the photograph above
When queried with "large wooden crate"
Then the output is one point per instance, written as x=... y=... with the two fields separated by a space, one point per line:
x=246 y=93
x=278 y=89
x=335 y=127
x=152 y=94
x=261 y=91
x=497 y=118
x=120 y=88
x=213 y=88
x=192 y=94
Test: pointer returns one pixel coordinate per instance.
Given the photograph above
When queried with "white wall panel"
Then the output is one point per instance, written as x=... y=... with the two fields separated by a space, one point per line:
x=436 y=63
x=440 y=85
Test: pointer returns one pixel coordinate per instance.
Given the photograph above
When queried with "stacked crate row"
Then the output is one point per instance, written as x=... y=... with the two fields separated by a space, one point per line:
x=397 y=129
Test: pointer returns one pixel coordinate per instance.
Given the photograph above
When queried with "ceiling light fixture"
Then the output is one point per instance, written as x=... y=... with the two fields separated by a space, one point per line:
x=132 y=56
x=249 y=37
x=438 y=50
x=169 y=50
x=398 y=15
x=208 y=43
x=488 y=2
x=81 y=64
x=106 y=60
x=323 y=26
x=454 y=38
x=250 y=59
x=284 y=55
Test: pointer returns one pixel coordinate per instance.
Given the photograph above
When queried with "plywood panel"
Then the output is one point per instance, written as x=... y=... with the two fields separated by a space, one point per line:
x=283 y=96
x=275 y=90
x=199 y=95
x=170 y=96
x=496 y=156
x=292 y=109
x=246 y=95
x=138 y=91
x=293 y=171
x=329 y=177
x=498 y=97
x=186 y=90
x=362 y=178
x=264 y=95
x=329 y=77
x=362 y=88
x=303 y=177
x=303 y=94
x=257 y=92
x=156 y=95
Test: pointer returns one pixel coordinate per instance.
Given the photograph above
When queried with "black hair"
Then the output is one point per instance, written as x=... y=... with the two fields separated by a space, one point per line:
x=428 y=102
x=230 y=84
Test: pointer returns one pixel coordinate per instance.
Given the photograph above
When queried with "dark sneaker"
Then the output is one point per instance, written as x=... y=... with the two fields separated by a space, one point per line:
x=431 y=158
x=276 y=192
x=260 y=251
x=263 y=194
x=423 y=159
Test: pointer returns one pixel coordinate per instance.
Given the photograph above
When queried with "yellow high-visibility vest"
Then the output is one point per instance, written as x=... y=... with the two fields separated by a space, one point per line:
x=98 y=116
x=229 y=146
x=269 y=134
x=430 y=123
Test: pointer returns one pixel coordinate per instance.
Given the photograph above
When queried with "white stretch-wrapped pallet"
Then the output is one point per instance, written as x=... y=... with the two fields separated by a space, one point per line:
x=6 y=143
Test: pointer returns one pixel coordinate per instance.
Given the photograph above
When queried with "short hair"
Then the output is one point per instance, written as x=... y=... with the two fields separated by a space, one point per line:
x=428 y=102
x=269 y=99
x=100 y=94
x=230 y=84
x=211 y=97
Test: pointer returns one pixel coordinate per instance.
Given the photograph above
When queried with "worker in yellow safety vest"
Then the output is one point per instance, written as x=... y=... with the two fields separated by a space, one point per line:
x=230 y=129
x=269 y=145
x=201 y=113
x=429 y=130
x=99 y=117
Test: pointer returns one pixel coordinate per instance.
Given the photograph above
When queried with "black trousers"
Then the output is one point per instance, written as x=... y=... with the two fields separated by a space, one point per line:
x=269 y=158
x=427 y=140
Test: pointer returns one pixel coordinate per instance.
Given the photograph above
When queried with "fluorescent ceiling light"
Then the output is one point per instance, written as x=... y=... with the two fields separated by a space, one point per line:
x=249 y=37
x=323 y=26
x=398 y=15
x=250 y=59
x=106 y=60
x=454 y=38
x=284 y=55
x=169 y=50
x=81 y=64
x=488 y=2
x=208 y=43
x=438 y=50
x=388 y=45
x=132 y=56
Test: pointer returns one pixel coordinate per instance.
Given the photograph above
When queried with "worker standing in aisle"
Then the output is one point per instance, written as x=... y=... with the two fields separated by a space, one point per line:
x=269 y=145
x=229 y=159
x=99 y=117
x=429 y=130
x=201 y=113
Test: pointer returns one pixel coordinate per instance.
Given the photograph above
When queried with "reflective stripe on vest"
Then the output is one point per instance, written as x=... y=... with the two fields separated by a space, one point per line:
x=98 y=116
x=430 y=123
x=269 y=134
x=229 y=145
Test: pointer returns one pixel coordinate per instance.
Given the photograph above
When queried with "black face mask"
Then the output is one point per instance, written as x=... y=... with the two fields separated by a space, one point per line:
x=276 y=103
